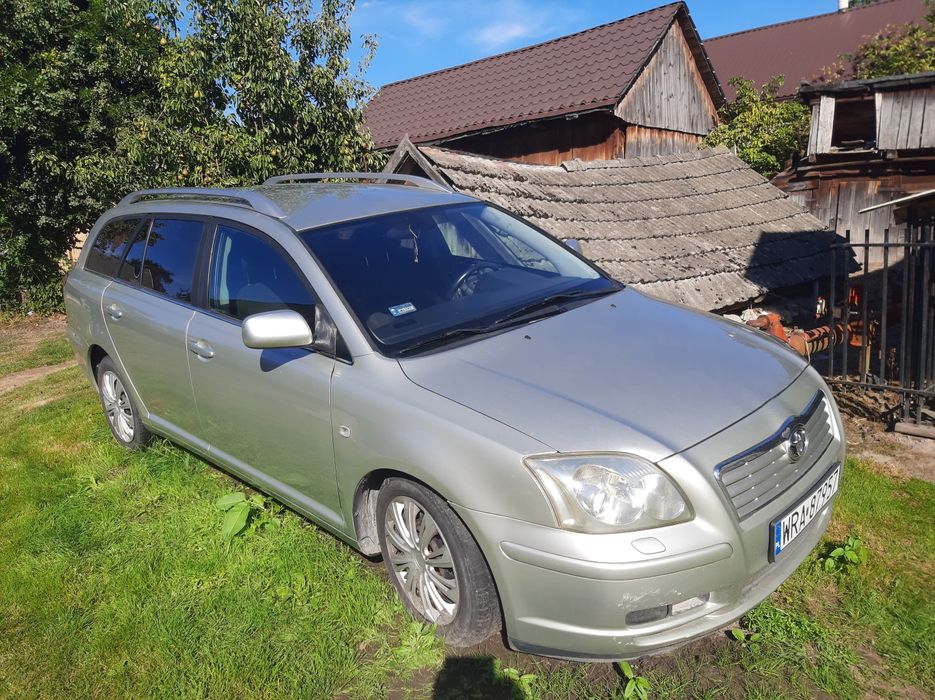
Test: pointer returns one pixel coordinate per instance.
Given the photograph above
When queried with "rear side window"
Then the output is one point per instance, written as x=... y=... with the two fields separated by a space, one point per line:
x=110 y=245
x=250 y=276
x=133 y=260
x=169 y=260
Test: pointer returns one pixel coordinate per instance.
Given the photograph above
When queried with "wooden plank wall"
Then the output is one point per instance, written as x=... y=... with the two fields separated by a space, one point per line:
x=670 y=92
x=646 y=141
x=595 y=136
x=837 y=201
x=906 y=119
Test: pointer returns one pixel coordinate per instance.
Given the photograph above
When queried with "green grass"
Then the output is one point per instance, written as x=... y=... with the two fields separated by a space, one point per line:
x=116 y=582
x=52 y=351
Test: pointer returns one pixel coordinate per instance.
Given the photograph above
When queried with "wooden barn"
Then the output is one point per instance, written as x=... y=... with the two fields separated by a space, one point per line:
x=870 y=142
x=640 y=86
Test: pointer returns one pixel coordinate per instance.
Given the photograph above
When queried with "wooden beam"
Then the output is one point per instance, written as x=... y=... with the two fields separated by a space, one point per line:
x=825 y=124
x=926 y=431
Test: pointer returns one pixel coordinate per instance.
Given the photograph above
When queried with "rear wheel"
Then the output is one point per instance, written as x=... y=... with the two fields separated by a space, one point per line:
x=435 y=564
x=121 y=412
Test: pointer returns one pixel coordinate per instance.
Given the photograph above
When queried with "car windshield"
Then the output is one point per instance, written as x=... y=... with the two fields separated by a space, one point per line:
x=438 y=274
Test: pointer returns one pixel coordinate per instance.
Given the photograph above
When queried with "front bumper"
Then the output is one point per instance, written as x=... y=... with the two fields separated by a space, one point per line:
x=568 y=594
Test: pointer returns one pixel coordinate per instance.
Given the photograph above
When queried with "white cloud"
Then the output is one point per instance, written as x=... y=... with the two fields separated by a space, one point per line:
x=500 y=34
x=502 y=25
x=424 y=18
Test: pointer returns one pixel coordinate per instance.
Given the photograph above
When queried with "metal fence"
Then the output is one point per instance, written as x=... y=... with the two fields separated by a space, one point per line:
x=881 y=322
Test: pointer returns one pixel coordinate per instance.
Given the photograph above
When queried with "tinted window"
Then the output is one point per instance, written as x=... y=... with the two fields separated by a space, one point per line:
x=417 y=275
x=169 y=261
x=250 y=276
x=110 y=245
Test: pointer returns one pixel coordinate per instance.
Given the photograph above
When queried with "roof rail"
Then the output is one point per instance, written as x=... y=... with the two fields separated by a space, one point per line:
x=244 y=198
x=422 y=182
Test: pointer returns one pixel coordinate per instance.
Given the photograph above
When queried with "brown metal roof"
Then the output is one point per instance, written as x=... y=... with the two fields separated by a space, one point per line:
x=801 y=48
x=588 y=70
x=701 y=228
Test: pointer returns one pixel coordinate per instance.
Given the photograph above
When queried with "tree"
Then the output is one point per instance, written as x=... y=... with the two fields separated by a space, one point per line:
x=69 y=74
x=895 y=50
x=761 y=129
x=121 y=98
x=248 y=90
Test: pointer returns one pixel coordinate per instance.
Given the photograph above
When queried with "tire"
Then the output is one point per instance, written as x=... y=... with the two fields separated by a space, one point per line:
x=121 y=412
x=457 y=593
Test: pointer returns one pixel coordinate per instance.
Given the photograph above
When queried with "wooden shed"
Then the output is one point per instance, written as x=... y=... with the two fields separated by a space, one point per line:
x=870 y=142
x=636 y=87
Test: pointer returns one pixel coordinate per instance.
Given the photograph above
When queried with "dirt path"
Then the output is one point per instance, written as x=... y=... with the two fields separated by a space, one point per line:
x=13 y=381
x=897 y=454
x=25 y=334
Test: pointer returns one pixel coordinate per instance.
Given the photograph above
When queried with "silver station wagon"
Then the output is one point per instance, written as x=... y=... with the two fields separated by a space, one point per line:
x=530 y=445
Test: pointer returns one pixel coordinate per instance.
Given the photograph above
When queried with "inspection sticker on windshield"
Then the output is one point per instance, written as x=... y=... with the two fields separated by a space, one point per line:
x=402 y=309
x=793 y=523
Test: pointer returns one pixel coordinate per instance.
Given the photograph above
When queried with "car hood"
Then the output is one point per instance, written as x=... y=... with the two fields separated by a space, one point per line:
x=623 y=373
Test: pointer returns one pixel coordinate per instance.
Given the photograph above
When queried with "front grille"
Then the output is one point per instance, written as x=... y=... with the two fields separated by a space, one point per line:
x=758 y=476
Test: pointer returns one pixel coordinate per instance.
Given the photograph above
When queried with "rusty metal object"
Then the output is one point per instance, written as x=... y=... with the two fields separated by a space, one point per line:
x=771 y=323
x=823 y=337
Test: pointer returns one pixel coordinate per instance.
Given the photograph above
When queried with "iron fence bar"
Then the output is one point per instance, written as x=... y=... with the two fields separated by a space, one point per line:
x=921 y=246
x=930 y=347
x=908 y=277
x=864 y=352
x=924 y=334
x=831 y=300
x=923 y=393
x=885 y=302
x=845 y=368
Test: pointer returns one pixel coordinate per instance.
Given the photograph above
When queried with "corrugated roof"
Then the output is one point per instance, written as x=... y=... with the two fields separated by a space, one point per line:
x=587 y=70
x=700 y=228
x=801 y=48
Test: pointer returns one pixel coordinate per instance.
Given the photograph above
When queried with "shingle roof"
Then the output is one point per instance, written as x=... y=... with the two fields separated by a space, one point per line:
x=700 y=228
x=587 y=70
x=801 y=48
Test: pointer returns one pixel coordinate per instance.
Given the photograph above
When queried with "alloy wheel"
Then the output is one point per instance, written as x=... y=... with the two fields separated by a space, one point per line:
x=421 y=560
x=117 y=406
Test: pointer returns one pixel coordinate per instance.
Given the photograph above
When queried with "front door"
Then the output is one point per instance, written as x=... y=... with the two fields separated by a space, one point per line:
x=147 y=310
x=265 y=413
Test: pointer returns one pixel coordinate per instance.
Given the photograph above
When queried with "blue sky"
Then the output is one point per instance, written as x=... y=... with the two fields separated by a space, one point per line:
x=418 y=36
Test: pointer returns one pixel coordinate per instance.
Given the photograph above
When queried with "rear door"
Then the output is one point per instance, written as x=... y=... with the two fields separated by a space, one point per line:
x=266 y=413
x=147 y=310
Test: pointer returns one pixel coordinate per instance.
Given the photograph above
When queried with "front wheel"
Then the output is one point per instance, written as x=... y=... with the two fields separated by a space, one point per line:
x=435 y=565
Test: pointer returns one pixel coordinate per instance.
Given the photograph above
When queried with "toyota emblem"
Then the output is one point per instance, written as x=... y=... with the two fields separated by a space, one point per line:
x=798 y=443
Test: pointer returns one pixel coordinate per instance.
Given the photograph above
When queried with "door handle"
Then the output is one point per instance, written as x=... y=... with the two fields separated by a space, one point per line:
x=201 y=348
x=114 y=311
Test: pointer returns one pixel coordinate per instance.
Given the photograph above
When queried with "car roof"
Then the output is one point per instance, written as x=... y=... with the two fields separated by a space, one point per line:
x=311 y=205
x=307 y=204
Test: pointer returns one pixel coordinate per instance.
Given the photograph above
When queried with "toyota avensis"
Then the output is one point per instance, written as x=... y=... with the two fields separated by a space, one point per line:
x=529 y=444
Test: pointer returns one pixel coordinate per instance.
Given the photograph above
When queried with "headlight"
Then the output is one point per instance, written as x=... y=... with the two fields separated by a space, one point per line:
x=608 y=493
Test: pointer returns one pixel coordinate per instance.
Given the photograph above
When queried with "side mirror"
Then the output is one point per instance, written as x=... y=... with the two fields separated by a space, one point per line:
x=276 y=329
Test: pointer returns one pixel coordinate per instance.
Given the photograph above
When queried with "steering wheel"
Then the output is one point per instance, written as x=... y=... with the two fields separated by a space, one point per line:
x=466 y=283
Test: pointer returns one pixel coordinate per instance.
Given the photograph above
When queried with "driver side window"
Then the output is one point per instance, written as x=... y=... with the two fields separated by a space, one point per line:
x=249 y=276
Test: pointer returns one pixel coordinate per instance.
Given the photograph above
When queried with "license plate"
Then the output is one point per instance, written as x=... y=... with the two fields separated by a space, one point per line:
x=794 y=522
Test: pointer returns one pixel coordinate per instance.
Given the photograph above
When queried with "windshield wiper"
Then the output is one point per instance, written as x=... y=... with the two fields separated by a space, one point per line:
x=453 y=334
x=502 y=323
x=554 y=300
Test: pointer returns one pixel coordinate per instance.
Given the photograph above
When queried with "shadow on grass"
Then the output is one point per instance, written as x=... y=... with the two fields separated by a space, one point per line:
x=475 y=677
